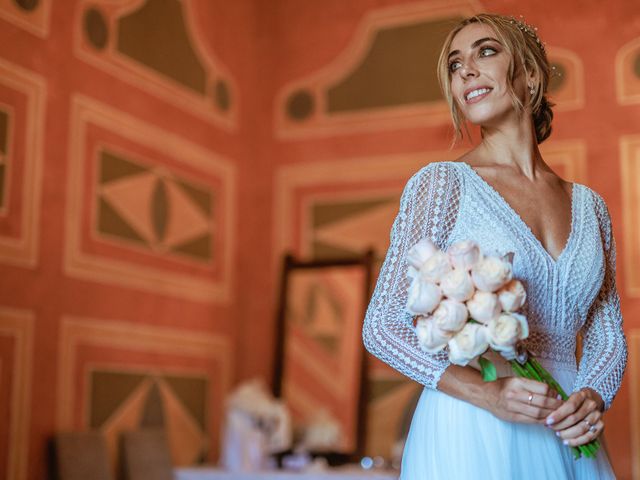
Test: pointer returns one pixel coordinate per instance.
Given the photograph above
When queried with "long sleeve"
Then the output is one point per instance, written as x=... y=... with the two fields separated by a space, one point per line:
x=428 y=208
x=604 y=351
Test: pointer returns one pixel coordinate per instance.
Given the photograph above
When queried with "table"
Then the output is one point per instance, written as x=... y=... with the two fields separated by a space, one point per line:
x=349 y=473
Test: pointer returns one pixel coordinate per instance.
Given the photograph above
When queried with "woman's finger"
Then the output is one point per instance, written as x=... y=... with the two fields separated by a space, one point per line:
x=581 y=428
x=587 y=437
x=576 y=417
x=536 y=387
x=543 y=401
x=569 y=407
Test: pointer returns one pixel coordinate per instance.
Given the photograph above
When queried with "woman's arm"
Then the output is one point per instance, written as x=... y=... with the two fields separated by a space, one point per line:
x=429 y=208
x=511 y=398
x=604 y=353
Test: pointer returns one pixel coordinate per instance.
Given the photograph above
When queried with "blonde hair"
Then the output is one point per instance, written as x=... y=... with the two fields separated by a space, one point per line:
x=526 y=51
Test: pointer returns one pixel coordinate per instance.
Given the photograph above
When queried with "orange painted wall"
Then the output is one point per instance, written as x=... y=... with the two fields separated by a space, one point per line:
x=260 y=48
x=70 y=322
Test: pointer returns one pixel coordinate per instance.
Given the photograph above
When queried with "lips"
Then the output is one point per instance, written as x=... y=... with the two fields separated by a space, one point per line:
x=475 y=94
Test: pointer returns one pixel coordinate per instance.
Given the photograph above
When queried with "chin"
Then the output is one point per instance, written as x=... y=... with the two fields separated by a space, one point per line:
x=488 y=115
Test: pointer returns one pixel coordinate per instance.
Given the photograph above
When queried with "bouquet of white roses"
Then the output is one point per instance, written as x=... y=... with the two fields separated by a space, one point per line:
x=467 y=302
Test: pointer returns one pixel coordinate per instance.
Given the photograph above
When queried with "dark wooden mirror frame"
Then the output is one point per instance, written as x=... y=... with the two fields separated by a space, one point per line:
x=290 y=264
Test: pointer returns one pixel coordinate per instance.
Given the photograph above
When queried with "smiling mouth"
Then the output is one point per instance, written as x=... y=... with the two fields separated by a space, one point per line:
x=476 y=95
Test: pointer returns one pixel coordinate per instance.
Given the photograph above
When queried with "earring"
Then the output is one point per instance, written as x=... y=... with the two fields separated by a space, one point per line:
x=532 y=90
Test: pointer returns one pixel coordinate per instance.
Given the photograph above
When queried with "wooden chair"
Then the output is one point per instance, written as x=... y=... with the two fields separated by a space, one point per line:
x=80 y=456
x=146 y=455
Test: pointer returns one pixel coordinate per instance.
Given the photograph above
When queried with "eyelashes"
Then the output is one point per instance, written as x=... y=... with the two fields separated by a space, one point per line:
x=455 y=64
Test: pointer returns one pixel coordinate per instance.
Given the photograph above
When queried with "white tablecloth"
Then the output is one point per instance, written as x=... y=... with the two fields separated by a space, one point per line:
x=208 y=473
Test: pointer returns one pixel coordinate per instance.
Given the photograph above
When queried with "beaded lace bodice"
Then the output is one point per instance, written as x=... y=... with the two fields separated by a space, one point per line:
x=575 y=293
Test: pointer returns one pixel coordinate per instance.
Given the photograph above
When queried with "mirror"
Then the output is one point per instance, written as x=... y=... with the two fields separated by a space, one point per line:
x=320 y=358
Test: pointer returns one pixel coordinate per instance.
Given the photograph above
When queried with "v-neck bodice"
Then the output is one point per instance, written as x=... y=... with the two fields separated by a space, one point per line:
x=449 y=202
x=555 y=307
x=500 y=200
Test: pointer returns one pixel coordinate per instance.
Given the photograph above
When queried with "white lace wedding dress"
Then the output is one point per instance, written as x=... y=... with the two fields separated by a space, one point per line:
x=450 y=438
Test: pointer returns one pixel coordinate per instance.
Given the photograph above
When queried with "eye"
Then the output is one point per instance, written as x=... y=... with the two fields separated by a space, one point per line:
x=487 y=51
x=453 y=66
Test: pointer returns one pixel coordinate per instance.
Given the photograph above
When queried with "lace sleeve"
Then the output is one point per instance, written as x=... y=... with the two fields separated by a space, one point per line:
x=604 y=351
x=428 y=207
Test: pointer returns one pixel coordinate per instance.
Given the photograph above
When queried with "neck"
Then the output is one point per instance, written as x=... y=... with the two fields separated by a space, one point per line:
x=512 y=144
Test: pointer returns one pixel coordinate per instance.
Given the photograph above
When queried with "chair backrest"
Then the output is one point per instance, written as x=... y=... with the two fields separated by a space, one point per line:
x=81 y=455
x=146 y=455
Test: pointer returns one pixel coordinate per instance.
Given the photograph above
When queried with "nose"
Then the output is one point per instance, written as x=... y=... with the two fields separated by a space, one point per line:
x=468 y=70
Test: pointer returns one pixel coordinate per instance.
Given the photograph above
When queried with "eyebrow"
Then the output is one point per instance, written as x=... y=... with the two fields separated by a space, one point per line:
x=474 y=45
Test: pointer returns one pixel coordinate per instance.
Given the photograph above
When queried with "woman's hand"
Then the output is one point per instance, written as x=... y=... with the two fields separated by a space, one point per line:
x=517 y=399
x=579 y=420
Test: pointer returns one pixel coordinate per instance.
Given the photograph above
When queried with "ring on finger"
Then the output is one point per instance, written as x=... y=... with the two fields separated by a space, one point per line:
x=592 y=429
x=530 y=398
x=589 y=424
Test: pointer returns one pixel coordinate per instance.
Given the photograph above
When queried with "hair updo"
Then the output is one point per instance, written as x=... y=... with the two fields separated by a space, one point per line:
x=526 y=50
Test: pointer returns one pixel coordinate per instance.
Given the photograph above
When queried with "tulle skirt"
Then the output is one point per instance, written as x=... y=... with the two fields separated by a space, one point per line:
x=452 y=439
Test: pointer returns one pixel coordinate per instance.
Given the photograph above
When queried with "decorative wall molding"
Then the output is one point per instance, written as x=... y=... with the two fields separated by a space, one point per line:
x=31 y=15
x=627 y=65
x=568 y=158
x=86 y=344
x=110 y=35
x=22 y=99
x=18 y=326
x=90 y=254
x=303 y=106
x=566 y=87
x=630 y=177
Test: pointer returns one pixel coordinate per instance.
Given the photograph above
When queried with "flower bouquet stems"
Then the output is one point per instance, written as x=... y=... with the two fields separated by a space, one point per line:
x=532 y=369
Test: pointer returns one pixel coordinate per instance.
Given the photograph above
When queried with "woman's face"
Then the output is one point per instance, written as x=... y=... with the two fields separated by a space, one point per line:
x=479 y=67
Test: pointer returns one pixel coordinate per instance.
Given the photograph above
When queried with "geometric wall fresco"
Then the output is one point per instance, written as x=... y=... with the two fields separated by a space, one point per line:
x=22 y=110
x=323 y=351
x=384 y=78
x=147 y=210
x=131 y=400
x=348 y=227
x=392 y=400
x=155 y=44
x=153 y=210
x=31 y=15
x=627 y=65
x=116 y=376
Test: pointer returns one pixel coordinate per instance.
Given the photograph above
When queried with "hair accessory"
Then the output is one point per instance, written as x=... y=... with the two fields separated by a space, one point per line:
x=528 y=29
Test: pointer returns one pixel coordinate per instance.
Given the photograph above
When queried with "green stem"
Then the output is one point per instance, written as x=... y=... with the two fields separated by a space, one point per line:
x=534 y=370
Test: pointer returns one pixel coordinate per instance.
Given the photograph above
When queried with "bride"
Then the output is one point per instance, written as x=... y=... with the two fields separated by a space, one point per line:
x=501 y=194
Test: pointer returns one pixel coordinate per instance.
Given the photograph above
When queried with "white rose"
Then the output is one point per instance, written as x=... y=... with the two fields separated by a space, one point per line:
x=450 y=315
x=431 y=338
x=423 y=297
x=436 y=266
x=457 y=285
x=464 y=254
x=505 y=331
x=512 y=296
x=468 y=343
x=484 y=306
x=420 y=253
x=491 y=273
